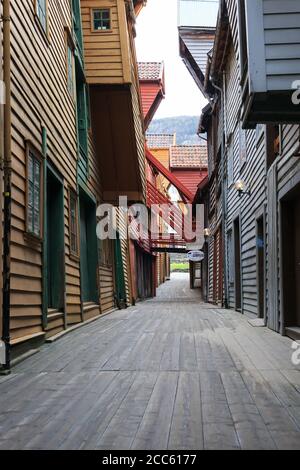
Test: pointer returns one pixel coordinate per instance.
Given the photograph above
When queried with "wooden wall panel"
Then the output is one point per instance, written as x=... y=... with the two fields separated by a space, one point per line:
x=40 y=98
x=103 y=50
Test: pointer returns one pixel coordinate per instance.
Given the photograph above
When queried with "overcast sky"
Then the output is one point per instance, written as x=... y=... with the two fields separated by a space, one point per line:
x=157 y=40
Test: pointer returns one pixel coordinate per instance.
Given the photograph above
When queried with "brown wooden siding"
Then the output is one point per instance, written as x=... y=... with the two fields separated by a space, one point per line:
x=39 y=98
x=103 y=50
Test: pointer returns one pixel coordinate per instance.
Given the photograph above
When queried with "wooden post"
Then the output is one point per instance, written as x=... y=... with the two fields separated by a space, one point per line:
x=1 y=172
x=7 y=181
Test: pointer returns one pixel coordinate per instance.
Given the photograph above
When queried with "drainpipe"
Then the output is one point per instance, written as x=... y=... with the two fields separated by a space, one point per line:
x=7 y=182
x=224 y=203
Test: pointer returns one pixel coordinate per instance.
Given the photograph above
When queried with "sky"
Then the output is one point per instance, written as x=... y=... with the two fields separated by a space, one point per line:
x=157 y=40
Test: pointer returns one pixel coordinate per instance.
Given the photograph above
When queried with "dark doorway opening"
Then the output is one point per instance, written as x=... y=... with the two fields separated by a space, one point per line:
x=144 y=271
x=260 y=264
x=88 y=249
x=237 y=264
x=290 y=258
x=55 y=242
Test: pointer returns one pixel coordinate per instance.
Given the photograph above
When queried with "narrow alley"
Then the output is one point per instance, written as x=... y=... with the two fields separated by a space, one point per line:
x=169 y=373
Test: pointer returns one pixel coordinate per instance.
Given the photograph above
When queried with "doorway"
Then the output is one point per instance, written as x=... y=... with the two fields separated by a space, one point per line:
x=290 y=230
x=237 y=264
x=55 y=241
x=260 y=265
x=88 y=249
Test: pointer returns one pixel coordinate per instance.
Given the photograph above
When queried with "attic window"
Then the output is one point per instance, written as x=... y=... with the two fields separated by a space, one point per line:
x=101 y=19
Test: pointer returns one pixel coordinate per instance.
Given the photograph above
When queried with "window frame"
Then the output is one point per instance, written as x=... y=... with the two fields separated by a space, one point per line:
x=70 y=46
x=242 y=135
x=45 y=29
x=270 y=142
x=243 y=40
x=106 y=247
x=74 y=196
x=100 y=31
x=230 y=167
x=31 y=150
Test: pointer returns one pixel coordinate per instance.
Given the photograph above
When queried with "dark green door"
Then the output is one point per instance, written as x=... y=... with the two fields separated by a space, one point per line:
x=55 y=242
x=88 y=249
x=120 y=279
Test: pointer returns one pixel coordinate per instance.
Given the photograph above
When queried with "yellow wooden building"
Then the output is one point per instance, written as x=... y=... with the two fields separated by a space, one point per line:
x=74 y=138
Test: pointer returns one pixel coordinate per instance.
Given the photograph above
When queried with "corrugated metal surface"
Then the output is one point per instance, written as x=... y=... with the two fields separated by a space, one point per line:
x=190 y=178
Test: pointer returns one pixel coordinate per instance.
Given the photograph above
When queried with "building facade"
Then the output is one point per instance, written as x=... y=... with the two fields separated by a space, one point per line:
x=255 y=142
x=59 y=163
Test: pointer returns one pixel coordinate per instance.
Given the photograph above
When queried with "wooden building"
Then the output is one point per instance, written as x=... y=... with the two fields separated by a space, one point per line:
x=152 y=83
x=64 y=58
x=258 y=156
x=2 y=95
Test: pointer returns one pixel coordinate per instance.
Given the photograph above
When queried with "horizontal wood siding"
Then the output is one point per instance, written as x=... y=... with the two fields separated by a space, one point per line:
x=282 y=43
x=102 y=50
x=107 y=289
x=39 y=98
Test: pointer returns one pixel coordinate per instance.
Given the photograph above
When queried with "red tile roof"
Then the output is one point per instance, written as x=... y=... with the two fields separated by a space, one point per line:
x=188 y=156
x=150 y=71
x=160 y=141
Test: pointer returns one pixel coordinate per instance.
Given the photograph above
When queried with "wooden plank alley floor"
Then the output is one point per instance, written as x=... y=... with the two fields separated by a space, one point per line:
x=170 y=373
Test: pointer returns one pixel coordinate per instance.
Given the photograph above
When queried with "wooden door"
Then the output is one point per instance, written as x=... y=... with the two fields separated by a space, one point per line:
x=260 y=265
x=55 y=242
x=296 y=217
x=88 y=250
x=237 y=265
x=290 y=256
x=120 y=279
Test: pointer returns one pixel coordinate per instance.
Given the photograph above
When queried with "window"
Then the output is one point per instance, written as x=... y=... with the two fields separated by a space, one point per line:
x=73 y=222
x=82 y=110
x=34 y=193
x=259 y=131
x=230 y=258
x=243 y=146
x=77 y=23
x=42 y=14
x=70 y=47
x=243 y=38
x=273 y=143
x=70 y=67
x=230 y=165
x=106 y=253
x=101 y=19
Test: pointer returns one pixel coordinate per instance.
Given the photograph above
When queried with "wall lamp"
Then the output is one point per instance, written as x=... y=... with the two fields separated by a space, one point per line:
x=241 y=187
x=206 y=233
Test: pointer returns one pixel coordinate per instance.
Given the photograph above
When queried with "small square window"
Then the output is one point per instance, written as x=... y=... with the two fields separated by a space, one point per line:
x=101 y=20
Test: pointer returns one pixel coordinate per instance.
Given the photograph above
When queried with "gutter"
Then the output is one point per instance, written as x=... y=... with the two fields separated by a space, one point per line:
x=7 y=182
x=224 y=199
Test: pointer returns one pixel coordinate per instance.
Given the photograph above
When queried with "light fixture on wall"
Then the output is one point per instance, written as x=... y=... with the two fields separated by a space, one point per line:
x=241 y=187
x=206 y=233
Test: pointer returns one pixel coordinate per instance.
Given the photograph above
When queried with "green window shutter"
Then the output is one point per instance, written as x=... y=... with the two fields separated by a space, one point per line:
x=77 y=24
x=82 y=116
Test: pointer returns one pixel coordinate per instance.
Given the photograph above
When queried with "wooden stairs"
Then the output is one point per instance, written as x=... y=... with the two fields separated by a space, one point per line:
x=55 y=320
x=90 y=310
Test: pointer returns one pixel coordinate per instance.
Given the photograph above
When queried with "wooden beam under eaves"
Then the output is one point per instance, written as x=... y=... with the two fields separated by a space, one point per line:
x=187 y=195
